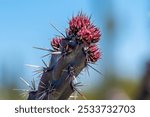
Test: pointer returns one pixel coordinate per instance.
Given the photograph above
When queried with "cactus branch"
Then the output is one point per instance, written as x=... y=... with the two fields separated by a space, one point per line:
x=71 y=53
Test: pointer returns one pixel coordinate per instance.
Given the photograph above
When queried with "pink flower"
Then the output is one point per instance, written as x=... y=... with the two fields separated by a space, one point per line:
x=76 y=23
x=93 y=53
x=81 y=27
x=89 y=34
x=56 y=42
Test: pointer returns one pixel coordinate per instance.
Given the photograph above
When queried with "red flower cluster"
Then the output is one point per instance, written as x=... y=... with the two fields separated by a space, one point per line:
x=89 y=35
x=84 y=29
x=81 y=29
x=93 y=53
x=76 y=23
x=56 y=42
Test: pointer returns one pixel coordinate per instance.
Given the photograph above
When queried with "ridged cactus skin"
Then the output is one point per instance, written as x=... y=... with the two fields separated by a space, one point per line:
x=70 y=55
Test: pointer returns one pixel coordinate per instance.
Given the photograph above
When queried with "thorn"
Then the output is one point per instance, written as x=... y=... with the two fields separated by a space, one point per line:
x=57 y=30
x=82 y=95
x=45 y=49
x=41 y=92
x=33 y=84
x=33 y=66
x=89 y=62
x=42 y=96
x=40 y=73
x=79 y=84
x=50 y=83
x=49 y=50
x=51 y=88
x=26 y=83
x=95 y=69
x=51 y=53
x=56 y=52
x=90 y=17
x=75 y=93
x=42 y=87
x=25 y=90
x=73 y=96
x=43 y=83
x=45 y=55
x=58 y=36
x=44 y=63
x=69 y=75
x=24 y=94
x=74 y=77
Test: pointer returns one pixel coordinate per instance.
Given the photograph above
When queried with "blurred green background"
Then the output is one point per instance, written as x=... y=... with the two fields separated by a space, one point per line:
x=125 y=29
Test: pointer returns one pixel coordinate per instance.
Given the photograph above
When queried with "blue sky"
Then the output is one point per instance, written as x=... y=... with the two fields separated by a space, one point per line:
x=24 y=24
x=132 y=49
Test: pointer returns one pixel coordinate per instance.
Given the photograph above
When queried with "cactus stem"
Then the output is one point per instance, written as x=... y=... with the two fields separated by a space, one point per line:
x=70 y=55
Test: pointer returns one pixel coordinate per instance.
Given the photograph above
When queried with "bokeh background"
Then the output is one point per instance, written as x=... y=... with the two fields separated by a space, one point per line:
x=125 y=40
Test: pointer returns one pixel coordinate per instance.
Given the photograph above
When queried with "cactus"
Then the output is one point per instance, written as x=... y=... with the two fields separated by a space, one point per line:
x=70 y=55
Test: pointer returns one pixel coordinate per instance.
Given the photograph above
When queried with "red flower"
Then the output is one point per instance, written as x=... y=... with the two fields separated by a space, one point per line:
x=81 y=27
x=56 y=43
x=89 y=34
x=93 y=53
x=76 y=23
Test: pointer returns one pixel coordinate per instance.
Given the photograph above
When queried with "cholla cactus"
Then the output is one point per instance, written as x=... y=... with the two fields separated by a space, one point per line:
x=70 y=55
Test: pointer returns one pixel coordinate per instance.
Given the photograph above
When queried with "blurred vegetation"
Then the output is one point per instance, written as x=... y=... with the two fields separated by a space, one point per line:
x=8 y=93
x=9 y=79
x=114 y=87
